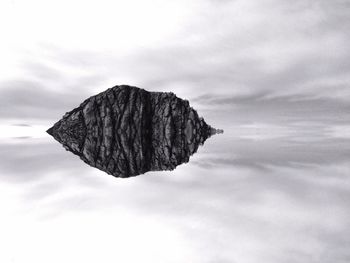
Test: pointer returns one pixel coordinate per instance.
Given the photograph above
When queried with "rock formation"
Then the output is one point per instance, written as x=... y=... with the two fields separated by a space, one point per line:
x=126 y=131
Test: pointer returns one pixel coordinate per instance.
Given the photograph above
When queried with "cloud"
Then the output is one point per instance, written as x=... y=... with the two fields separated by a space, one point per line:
x=24 y=99
x=274 y=74
x=262 y=107
x=21 y=125
x=237 y=49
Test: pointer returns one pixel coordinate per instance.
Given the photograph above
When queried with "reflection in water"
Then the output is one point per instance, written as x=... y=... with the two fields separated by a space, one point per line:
x=265 y=195
x=127 y=131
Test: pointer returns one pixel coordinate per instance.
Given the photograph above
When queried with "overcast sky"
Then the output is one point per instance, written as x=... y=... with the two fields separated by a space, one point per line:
x=55 y=54
x=273 y=74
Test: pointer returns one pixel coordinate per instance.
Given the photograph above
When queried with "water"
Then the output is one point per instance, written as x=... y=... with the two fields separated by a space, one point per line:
x=258 y=192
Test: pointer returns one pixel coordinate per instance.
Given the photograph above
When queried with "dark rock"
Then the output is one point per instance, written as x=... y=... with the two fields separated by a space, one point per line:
x=127 y=131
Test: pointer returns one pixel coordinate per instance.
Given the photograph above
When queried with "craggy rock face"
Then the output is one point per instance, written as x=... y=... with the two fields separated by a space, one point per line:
x=126 y=131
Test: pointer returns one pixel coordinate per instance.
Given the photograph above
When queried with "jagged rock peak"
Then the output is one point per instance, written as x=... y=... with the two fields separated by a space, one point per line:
x=127 y=131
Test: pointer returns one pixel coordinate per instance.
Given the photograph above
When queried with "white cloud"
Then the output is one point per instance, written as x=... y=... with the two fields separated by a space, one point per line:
x=272 y=188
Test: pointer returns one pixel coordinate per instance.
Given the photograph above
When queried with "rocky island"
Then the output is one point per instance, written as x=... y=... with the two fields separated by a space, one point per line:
x=126 y=131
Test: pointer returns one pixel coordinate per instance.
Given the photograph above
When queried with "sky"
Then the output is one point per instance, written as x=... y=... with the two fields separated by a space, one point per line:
x=57 y=53
x=272 y=73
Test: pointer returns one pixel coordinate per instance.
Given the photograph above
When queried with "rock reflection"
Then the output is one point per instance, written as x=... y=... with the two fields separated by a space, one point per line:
x=126 y=131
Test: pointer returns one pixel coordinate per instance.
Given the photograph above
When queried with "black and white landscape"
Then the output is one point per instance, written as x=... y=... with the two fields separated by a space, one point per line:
x=273 y=74
x=127 y=131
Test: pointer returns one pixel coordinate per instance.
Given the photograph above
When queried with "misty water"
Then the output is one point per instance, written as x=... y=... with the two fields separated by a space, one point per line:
x=275 y=191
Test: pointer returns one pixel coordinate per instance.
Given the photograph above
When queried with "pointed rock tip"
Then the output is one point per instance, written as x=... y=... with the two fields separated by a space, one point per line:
x=50 y=131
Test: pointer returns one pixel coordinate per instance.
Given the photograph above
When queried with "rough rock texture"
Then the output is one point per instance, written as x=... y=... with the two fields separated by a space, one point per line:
x=127 y=131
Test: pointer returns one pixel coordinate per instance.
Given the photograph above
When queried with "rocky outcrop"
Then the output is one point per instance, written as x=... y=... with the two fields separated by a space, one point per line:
x=127 y=131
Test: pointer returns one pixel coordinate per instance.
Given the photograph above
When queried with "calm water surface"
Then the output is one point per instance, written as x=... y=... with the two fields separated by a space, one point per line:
x=260 y=192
